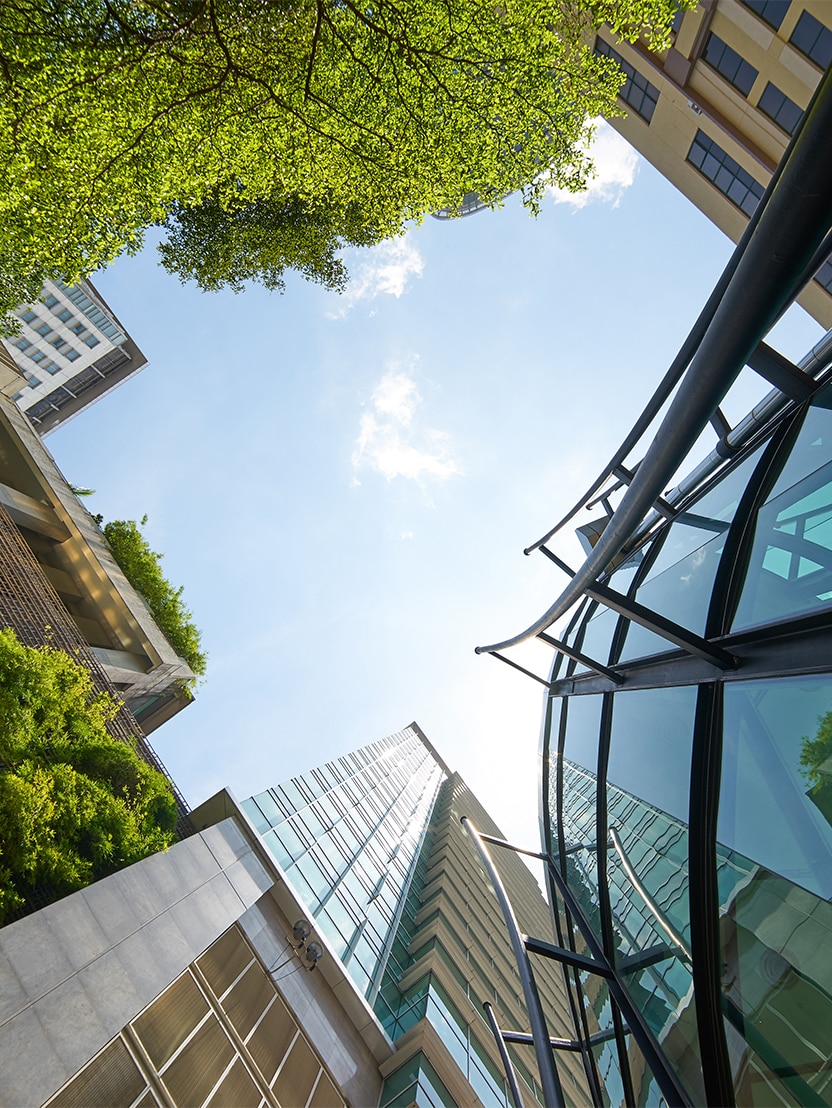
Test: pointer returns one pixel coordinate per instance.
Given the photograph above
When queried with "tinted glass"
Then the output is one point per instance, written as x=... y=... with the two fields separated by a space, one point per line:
x=679 y=582
x=776 y=795
x=790 y=568
x=647 y=809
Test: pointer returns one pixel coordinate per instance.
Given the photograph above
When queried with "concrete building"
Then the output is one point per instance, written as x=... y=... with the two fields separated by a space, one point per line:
x=71 y=350
x=715 y=112
x=59 y=572
x=213 y=974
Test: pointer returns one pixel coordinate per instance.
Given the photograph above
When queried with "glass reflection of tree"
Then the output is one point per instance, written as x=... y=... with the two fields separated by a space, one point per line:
x=816 y=766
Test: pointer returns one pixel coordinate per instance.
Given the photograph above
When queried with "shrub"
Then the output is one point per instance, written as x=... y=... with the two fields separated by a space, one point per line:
x=141 y=567
x=75 y=803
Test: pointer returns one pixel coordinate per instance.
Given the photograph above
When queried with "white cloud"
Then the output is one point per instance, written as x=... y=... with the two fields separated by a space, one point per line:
x=387 y=269
x=616 y=163
x=391 y=443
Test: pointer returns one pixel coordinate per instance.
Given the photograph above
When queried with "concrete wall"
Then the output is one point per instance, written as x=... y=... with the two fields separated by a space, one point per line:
x=73 y=974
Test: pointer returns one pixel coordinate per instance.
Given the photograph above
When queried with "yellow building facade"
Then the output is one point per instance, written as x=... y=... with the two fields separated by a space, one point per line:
x=715 y=112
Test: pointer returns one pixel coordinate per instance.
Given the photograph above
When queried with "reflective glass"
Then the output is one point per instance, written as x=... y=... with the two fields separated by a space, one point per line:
x=777 y=777
x=777 y=986
x=790 y=568
x=600 y=628
x=648 y=787
x=583 y=724
x=679 y=583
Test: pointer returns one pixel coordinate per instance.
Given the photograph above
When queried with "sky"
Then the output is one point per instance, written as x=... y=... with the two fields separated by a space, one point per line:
x=344 y=485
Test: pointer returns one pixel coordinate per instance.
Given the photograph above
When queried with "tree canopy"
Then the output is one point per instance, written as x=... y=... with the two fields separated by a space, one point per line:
x=119 y=114
x=141 y=567
x=75 y=803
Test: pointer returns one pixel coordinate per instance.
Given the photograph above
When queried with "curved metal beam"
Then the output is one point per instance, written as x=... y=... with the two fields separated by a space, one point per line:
x=795 y=221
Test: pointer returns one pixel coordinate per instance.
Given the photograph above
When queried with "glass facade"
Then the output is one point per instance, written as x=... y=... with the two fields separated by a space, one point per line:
x=373 y=847
x=689 y=810
x=347 y=835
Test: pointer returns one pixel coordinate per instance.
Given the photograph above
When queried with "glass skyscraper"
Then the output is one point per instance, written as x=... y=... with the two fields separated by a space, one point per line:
x=373 y=846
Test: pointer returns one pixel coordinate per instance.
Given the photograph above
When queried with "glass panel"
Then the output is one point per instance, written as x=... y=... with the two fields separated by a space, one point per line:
x=598 y=635
x=583 y=724
x=790 y=569
x=679 y=582
x=647 y=806
x=777 y=987
x=777 y=777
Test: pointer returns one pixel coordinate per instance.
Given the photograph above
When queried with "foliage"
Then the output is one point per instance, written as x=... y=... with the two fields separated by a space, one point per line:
x=75 y=804
x=220 y=245
x=141 y=567
x=816 y=765
x=340 y=120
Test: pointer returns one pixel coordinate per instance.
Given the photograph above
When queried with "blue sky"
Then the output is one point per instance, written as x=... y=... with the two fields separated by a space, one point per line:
x=345 y=485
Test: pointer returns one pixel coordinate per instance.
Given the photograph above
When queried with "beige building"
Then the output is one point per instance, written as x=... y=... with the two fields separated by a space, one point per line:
x=715 y=112
x=58 y=570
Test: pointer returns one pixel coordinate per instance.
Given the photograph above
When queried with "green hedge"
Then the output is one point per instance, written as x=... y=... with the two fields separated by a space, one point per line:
x=141 y=567
x=75 y=803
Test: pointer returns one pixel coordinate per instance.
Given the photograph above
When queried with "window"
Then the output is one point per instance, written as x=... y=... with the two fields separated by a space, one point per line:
x=58 y=342
x=824 y=276
x=51 y=301
x=32 y=381
x=71 y=354
x=727 y=62
x=29 y=316
x=91 y=341
x=38 y=356
x=813 y=39
x=50 y=367
x=728 y=175
x=780 y=109
x=65 y=315
x=772 y=12
x=636 y=91
x=43 y=329
x=78 y=329
x=23 y=344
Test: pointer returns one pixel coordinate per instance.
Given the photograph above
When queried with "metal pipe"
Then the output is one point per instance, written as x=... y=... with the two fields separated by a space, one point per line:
x=549 y=1080
x=795 y=220
x=511 y=1076
x=659 y=916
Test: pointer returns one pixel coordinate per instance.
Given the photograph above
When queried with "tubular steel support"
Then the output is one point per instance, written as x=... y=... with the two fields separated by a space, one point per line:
x=549 y=1080
x=764 y=277
x=501 y=1038
x=590 y=663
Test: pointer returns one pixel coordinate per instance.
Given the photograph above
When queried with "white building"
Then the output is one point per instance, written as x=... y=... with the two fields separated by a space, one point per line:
x=71 y=350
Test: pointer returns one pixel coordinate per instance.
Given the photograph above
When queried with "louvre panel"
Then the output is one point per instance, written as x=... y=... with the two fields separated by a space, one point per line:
x=225 y=960
x=193 y=1074
x=326 y=1095
x=237 y=1090
x=272 y=1039
x=294 y=1082
x=248 y=999
x=111 y=1079
x=170 y=1019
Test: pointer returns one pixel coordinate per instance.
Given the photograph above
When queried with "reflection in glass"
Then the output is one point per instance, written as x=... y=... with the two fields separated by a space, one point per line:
x=679 y=582
x=790 y=569
x=766 y=812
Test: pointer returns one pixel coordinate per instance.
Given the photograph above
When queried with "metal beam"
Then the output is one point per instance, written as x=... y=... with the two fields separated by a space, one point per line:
x=549 y=1079
x=771 y=365
x=584 y=659
x=673 y=632
x=569 y=957
x=765 y=273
